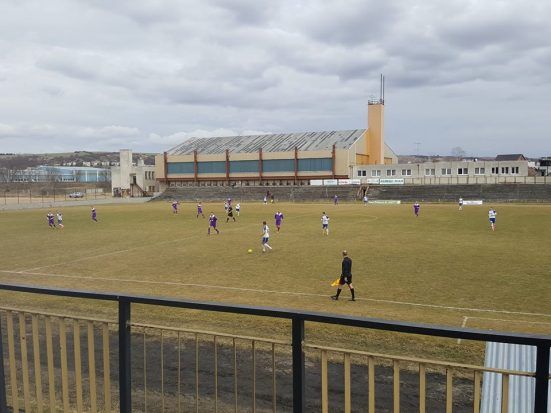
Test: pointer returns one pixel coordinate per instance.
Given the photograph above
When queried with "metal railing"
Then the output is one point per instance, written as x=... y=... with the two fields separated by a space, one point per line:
x=81 y=391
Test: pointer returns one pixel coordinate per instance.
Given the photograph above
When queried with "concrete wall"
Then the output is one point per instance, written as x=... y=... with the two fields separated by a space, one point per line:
x=451 y=193
x=125 y=168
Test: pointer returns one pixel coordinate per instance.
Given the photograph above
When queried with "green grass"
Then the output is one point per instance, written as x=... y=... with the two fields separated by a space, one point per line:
x=445 y=257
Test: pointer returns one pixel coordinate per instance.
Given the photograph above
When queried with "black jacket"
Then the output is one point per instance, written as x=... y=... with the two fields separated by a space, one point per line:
x=346 y=266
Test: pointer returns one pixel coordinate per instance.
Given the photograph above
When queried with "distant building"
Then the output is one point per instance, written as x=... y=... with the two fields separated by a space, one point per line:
x=132 y=180
x=543 y=166
x=75 y=174
x=445 y=172
x=276 y=159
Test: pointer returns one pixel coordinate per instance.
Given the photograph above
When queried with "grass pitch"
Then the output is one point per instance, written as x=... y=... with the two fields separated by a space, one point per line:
x=443 y=267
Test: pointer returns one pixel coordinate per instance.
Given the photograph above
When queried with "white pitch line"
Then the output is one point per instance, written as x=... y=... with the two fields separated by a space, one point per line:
x=77 y=260
x=511 y=321
x=463 y=325
x=221 y=287
x=123 y=251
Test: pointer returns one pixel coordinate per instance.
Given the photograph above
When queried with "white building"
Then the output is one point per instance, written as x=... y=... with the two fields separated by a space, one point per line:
x=132 y=180
x=454 y=172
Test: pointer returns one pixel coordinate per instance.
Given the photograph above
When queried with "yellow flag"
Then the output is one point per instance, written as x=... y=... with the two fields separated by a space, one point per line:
x=336 y=282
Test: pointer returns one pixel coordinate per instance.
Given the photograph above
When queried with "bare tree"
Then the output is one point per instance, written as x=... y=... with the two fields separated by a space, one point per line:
x=80 y=176
x=458 y=152
x=52 y=175
x=104 y=175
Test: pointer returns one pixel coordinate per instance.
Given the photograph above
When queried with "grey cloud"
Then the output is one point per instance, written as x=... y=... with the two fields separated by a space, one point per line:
x=357 y=22
x=246 y=12
x=163 y=69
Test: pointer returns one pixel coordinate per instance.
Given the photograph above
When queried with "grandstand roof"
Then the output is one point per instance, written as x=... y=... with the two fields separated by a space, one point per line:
x=306 y=141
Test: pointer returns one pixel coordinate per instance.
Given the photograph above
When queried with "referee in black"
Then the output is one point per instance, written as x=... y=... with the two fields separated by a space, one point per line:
x=346 y=276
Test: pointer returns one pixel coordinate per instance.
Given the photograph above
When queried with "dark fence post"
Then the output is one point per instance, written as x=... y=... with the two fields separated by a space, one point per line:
x=3 y=401
x=542 y=378
x=125 y=381
x=298 y=366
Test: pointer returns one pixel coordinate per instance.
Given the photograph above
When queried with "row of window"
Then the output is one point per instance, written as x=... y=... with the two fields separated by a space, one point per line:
x=240 y=183
x=268 y=165
x=150 y=175
x=444 y=171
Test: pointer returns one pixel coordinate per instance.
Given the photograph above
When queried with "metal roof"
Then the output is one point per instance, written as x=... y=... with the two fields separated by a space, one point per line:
x=511 y=157
x=521 y=389
x=284 y=142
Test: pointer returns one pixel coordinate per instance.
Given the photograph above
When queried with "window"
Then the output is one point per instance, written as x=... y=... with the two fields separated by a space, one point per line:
x=462 y=171
x=446 y=171
x=243 y=166
x=514 y=170
x=479 y=171
x=391 y=172
x=495 y=170
x=275 y=165
x=430 y=172
x=180 y=167
x=406 y=172
x=504 y=169
x=360 y=173
x=211 y=167
x=314 y=164
x=376 y=172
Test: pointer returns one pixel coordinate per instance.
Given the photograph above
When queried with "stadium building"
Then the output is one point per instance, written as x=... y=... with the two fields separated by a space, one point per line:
x=276 y=159
x=131 y=179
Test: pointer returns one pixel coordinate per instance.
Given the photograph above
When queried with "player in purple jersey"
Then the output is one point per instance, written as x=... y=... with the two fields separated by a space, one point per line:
x=416 y=208
x=174 y=207
x=278 y=219
x=212 y=223
x=94 y=215
x=50 y=218
x=336 y=199
x=200 y=210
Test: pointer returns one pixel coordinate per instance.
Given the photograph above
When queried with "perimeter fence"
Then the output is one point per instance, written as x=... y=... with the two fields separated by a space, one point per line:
x=58 y=362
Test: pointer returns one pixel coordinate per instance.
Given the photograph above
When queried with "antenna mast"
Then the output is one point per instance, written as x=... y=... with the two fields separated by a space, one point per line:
x=383 y=97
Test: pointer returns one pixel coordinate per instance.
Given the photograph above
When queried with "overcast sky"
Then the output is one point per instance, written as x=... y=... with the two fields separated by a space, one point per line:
x=143 y=74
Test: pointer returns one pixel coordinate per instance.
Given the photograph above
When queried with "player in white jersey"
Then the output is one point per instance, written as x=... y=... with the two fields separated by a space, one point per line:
x=492 y=217
x=366 y=200
x=324 y=224
x=238 y=208
x=59 y=219
x=265 y=236
x=460 y=203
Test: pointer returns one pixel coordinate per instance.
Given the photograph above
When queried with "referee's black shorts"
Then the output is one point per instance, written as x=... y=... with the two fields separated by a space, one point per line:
x=345 y=279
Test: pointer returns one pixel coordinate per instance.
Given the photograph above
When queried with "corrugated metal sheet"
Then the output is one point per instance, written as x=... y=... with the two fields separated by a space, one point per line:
x=308 y=141
x=521 y=389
